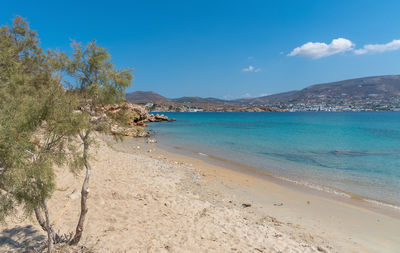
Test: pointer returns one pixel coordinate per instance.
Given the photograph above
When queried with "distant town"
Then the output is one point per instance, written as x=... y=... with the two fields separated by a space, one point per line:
x=332 y=104
x=372 y=102
x=377 y=93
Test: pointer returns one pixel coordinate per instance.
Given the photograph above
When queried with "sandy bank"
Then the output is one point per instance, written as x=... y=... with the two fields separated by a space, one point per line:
x=148 y=200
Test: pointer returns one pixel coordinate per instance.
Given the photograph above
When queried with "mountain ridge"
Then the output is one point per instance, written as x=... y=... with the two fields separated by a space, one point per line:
x=374 y=91
x=386 y=85
x=144 y=96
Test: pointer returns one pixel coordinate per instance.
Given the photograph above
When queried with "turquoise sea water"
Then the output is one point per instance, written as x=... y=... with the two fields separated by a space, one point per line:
x=355 y=152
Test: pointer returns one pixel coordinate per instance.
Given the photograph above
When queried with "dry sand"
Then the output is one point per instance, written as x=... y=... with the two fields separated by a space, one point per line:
x=148 y=200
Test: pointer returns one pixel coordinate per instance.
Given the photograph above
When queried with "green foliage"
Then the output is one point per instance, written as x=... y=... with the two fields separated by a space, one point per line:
x=98 y=83
x=124 y=117
x=37 y=120
x=96 y=78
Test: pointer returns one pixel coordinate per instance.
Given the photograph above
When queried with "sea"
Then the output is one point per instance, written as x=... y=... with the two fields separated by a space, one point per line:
x=345 y=153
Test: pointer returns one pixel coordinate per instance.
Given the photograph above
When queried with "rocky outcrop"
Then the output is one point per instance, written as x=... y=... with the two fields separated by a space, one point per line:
x=138 y=114
x=132 y=131
x=134 y=116
x=158 y=118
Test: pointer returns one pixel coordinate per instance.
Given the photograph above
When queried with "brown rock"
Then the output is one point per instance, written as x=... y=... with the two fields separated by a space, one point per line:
x=138 y=116
x=161 y=117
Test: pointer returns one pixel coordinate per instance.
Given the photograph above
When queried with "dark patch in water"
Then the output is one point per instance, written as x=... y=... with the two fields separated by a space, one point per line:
x=383 y=132
x=349 y=152
x=297 y=158
x=362 y=152
x=307 y=160
x=249 y=125
x=230 y=143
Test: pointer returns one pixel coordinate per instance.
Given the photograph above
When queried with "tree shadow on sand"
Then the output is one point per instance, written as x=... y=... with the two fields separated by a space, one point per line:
x=20 y=239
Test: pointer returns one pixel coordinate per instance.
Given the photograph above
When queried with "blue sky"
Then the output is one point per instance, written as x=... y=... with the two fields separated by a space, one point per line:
x=226 y=49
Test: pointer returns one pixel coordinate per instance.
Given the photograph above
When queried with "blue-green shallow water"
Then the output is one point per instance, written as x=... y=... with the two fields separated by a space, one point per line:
x=356 y=152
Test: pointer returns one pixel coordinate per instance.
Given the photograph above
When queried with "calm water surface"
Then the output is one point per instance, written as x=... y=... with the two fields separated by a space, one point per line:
x=356 y=152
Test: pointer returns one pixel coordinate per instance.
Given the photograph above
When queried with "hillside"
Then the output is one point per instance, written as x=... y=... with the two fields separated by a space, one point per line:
x=199 y=100
x=376 y=87
x=159 y=103
x=271 y=99
x=368 y=93
x=145 y=96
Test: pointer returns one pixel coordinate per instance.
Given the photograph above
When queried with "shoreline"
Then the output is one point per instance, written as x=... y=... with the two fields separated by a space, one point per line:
x=355 y=155
x=329 y=192
x=146 y=199
x=370 y=227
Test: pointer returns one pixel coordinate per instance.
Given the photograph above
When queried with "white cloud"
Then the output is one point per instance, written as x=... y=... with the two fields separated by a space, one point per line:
x=251 y=69
x=379 y=48
x=317 y=50
x=264 y=94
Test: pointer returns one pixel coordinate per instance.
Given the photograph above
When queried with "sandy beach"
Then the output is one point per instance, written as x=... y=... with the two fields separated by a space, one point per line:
x=145 y=199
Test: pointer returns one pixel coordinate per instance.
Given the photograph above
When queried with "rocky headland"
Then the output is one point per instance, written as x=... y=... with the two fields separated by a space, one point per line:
x=137 y=118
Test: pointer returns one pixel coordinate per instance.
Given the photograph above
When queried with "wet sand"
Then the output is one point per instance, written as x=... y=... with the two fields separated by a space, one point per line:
x=352 y=224
x=146 y=199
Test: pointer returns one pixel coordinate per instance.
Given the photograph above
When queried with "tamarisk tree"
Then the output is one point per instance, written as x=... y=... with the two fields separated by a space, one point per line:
x=40 y=126
x=37 y=125
x=97 y=83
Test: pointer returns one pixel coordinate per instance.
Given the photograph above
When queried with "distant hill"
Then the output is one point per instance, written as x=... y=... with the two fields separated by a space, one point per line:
x=185 y=104
x=145 y=96
x=383 y=87
x=273 y=99
x=199 y=100
x=376 y=92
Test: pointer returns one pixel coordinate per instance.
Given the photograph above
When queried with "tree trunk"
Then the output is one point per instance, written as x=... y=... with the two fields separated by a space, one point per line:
x=40 y=219
x=84 y=192
x=50 y=234
x=46 y=226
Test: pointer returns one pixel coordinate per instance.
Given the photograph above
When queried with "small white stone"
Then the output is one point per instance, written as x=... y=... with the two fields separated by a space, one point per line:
x=75 y=195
